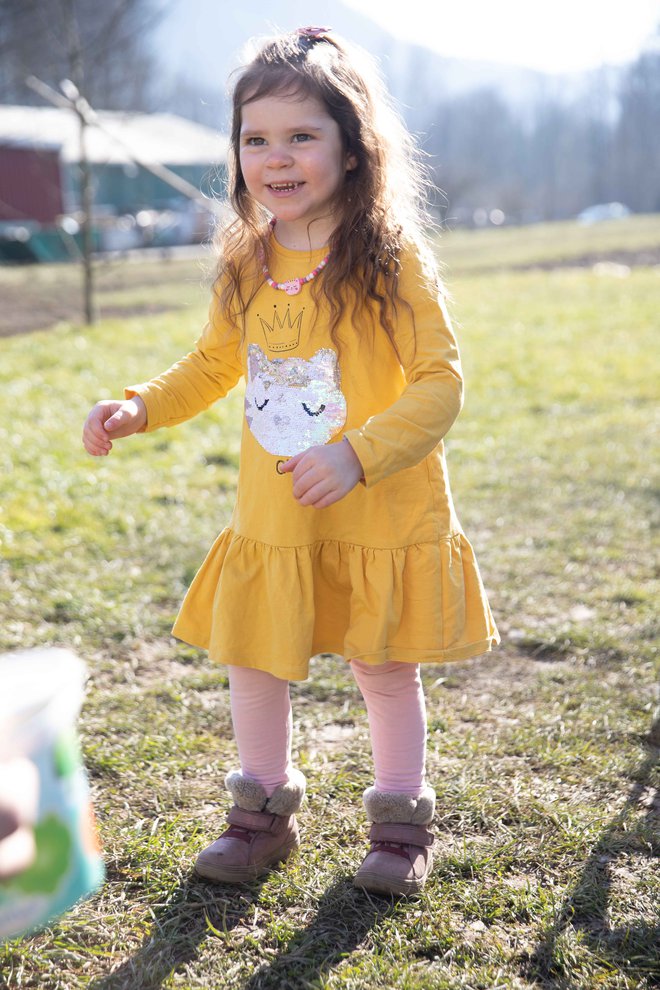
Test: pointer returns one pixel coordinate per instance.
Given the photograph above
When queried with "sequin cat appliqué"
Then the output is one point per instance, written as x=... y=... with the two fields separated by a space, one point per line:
x=293 y=403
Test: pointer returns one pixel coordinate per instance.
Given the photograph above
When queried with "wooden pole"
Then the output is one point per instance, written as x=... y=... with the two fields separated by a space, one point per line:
x=87 y=211
x=75 y=87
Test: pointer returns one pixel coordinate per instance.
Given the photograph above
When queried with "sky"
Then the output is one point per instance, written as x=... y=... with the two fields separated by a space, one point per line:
x=559 y=36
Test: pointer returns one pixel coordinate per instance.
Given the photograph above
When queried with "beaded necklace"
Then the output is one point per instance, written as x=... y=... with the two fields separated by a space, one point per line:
x=293 y=285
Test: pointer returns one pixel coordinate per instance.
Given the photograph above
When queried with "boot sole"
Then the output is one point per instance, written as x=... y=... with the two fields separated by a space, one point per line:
x=377 y=884
x=243 y=874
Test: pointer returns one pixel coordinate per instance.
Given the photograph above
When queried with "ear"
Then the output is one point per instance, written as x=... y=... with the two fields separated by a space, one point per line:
x=351 y=162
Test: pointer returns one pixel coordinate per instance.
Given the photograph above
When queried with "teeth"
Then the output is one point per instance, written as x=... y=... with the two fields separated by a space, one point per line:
x=283 y=185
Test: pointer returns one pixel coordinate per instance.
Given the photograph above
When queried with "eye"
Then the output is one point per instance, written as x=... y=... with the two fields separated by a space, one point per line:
x=264 y=403
x=309 y=411
x=253 y=142
x=301 y=138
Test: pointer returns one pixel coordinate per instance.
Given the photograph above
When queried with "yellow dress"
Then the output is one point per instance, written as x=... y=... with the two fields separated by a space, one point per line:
x=386 y=573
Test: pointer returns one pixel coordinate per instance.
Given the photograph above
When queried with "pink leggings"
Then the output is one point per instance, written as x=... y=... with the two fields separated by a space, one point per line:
x=393 y=694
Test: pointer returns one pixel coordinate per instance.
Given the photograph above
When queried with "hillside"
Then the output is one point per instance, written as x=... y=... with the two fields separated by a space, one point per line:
x=198 y=46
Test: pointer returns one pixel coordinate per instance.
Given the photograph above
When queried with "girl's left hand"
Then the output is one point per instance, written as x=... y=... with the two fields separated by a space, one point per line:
x=324 y=474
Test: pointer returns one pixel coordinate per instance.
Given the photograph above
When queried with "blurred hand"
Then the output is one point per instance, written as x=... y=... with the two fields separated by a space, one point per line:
x=324 y=474
x=109 y=420
x=19 y=797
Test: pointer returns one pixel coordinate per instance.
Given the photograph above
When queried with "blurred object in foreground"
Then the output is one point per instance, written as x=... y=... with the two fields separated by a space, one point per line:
x=51 y=858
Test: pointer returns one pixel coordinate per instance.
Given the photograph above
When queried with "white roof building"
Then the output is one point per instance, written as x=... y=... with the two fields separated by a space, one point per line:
x=139 y=161
x=152 y=138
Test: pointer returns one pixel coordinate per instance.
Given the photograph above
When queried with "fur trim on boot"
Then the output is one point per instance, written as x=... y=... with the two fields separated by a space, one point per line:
x=250 y=795
x=384 y=806
x=262 y=831
x=401 y=853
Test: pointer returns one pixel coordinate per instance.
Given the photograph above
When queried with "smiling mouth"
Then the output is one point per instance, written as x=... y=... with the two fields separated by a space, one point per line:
x=284 y=186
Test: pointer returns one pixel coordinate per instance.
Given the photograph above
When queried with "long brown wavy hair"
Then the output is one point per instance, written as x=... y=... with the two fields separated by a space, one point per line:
x=380 y=206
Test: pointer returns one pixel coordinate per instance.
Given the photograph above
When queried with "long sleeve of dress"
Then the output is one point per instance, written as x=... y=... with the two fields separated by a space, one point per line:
x=195 y=382
x=405 y=433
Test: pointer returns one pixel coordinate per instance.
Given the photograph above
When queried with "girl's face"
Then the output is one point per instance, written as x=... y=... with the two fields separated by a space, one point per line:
x=294 y=164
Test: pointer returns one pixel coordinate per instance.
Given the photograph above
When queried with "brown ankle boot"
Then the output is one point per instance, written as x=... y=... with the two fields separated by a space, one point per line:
x=262 y=830
x=400 y=857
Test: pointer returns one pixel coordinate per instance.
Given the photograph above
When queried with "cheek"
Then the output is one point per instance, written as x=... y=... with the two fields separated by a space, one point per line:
x=248 y=167
x=339 y=172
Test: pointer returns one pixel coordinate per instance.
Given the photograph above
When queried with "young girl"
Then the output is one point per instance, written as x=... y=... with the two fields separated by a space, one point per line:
x=344 y=538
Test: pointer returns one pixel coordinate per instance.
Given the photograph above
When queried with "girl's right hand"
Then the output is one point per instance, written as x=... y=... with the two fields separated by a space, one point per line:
x=109 y=420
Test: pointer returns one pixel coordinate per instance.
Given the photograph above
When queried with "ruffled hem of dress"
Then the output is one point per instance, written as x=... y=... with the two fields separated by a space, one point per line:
x=273 y=608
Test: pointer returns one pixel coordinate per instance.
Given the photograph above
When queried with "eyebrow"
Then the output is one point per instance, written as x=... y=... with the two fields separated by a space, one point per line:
x=298 y=129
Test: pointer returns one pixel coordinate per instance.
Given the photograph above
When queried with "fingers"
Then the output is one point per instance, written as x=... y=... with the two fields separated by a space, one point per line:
x=308 y=474
x=316 y=485
x=97 y=449
x=292 y=463
x=315 y=499
x=17 y=852
x=313 y=459
x=19 y=797
x=312 y=488
x=95 y=439
x=19 y=794
x=316 y=480
x=313 y=493
x=111 y=418
x=118 y=419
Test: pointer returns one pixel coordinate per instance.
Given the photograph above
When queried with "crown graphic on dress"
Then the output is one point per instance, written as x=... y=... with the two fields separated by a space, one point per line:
x=283 y=334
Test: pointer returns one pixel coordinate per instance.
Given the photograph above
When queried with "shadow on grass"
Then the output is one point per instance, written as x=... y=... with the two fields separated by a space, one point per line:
x=634 y=948
x=180 y=927
x=343 y=919
x=198 y=910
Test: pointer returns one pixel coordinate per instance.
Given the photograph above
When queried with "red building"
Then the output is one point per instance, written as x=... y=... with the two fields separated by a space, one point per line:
x=30 y=184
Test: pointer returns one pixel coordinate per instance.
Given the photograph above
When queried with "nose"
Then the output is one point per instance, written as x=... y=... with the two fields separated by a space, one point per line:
x=279 y=156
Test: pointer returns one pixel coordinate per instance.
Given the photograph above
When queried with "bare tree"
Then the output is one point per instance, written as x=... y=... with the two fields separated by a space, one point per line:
x=638 y=134
x=560 y=157
x=108 y=59
x=475 y=140
x=90 y=50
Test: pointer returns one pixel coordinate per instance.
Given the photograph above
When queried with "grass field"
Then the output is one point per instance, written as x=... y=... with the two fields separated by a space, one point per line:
x=543 y=754
x=633 y=240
